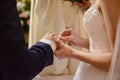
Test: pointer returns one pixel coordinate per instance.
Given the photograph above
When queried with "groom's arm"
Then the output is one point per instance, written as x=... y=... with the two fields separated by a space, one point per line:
x=19 y=63
x=39 y=56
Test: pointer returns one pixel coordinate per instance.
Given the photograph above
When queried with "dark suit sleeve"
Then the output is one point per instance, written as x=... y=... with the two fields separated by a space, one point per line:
x=35 y=59
x=16 y=61
x=18 y=64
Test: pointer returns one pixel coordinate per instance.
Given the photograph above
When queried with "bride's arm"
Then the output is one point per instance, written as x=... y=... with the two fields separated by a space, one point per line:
x=101 y=61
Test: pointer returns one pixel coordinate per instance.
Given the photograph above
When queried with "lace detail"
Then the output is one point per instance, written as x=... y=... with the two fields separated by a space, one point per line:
x=94 y=25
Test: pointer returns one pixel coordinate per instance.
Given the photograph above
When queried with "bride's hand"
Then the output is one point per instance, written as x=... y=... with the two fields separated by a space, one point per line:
x=63 y=50
x=68 y=35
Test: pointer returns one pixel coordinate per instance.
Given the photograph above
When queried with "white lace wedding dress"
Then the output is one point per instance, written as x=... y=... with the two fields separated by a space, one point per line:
x=94 y=25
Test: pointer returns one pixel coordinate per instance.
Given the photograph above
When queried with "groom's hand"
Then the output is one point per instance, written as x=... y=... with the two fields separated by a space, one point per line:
x=50 y=39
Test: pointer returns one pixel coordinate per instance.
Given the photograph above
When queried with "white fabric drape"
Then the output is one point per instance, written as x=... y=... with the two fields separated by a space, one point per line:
x=114 y=73
x=46 y=17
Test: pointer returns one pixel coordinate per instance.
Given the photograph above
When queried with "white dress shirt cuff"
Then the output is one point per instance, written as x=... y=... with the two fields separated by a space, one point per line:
x=52 y=44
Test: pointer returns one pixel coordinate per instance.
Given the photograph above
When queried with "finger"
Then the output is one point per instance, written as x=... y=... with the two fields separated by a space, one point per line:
x=61 y=44
x=67 y=38
x=65 y=32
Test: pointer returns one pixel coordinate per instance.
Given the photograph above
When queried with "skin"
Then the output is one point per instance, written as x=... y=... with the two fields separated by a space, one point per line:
x=101 y=61
x=50 y=36
x=68 y=35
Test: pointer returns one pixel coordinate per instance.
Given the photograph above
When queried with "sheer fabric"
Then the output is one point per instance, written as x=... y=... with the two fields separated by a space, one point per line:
x=114 y=73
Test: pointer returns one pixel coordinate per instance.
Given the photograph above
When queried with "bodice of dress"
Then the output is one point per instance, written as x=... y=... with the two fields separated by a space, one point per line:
x=94 y=25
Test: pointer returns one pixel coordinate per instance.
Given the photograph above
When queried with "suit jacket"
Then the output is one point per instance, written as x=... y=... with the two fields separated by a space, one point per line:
x=16 y=61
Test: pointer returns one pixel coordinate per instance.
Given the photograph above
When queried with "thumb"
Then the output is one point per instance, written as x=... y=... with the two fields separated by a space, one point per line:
x=65 y=32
